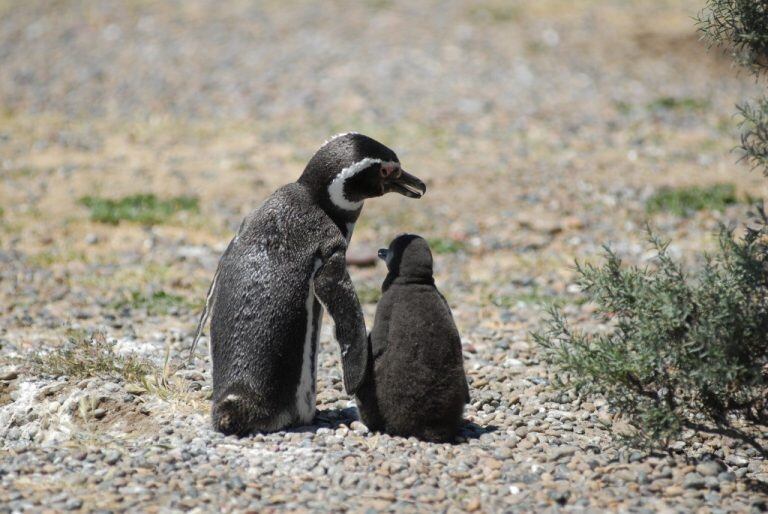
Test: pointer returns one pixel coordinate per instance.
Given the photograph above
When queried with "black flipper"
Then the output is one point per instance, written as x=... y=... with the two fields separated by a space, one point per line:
x=334 y=289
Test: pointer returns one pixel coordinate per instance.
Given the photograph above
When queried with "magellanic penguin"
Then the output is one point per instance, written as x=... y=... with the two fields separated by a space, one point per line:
x=288 y=259
x=415 y=383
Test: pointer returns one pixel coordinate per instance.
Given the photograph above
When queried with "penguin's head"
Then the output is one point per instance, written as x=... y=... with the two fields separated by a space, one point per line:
x=351 y=167
x=408 y=255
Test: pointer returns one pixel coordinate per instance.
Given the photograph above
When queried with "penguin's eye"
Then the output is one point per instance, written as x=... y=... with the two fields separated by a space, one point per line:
x=385 y=171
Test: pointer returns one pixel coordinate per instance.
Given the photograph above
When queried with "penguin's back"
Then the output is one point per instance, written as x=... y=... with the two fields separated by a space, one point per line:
x=419 y=372
x=259 y=320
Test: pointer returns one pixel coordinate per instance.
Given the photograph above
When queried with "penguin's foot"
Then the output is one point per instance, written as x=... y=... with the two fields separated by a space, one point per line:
x=231 y=416
x=439 y=433
x=239 y=415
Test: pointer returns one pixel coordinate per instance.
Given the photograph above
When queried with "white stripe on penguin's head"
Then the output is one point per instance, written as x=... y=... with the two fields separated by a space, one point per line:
x=336 y=187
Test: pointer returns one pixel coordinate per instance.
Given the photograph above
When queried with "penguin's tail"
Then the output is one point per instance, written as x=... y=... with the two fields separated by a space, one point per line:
x=209 y=304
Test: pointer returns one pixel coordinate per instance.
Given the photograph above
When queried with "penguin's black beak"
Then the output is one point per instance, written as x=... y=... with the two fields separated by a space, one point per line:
x=383 y=253
x=407 y=185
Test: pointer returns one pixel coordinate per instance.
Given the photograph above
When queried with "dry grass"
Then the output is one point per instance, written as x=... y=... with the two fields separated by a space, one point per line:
x=85 y=356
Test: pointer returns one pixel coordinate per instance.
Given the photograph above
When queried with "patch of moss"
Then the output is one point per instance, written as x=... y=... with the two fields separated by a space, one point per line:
x=378 y=5
x=368 y=294
x=531 y=297
x=443 y=245
x=672 y=103
x=684 y=201
x=48 y=258
x=156 y=303
x=140 y=208
x=23 y=172
x=623 y=107
x=495 y=12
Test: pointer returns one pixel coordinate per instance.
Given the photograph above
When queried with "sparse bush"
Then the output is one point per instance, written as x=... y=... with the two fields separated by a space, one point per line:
x=86 y=355
x=684 y=201
x=680 y=350
x=754 y=134
x=684 y=350
x=141 y=208
x=742 y=27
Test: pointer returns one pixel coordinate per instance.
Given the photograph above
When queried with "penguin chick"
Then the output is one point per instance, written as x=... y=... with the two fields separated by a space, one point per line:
x=287 y=263
x=415 y=383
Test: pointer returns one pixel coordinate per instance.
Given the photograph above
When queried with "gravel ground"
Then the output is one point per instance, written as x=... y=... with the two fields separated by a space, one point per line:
x=541 y=129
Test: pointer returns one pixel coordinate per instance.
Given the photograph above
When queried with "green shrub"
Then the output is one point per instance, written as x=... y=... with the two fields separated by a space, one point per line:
x=684 y=201
x=141 y=208
x=680 y=350
x=742 y=27
x=754 y=134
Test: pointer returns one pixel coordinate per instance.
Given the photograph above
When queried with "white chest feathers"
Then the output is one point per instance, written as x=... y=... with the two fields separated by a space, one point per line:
x=306 y=392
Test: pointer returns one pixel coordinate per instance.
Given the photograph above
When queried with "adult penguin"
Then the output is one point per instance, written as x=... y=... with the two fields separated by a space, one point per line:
x=285 y=264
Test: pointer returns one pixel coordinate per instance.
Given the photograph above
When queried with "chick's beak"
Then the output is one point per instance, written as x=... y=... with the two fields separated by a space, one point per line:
x=407 y=185
x=383 y=252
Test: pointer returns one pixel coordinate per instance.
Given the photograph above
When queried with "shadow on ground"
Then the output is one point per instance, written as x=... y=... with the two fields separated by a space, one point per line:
x=335 y=418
